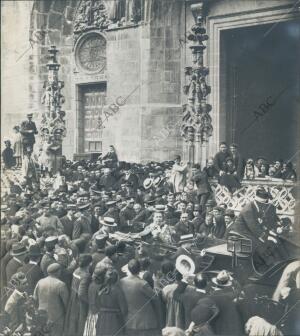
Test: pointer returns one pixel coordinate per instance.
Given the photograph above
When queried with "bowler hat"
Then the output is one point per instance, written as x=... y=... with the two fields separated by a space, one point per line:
x=18 y=249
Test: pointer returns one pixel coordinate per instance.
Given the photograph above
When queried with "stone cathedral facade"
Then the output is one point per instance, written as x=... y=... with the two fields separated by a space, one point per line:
x=123 y=64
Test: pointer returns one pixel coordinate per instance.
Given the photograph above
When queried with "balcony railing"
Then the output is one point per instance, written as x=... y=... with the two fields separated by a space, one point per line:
x=280 y=190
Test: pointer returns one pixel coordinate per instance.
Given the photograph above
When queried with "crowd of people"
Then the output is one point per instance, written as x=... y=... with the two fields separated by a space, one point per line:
x=76 y=248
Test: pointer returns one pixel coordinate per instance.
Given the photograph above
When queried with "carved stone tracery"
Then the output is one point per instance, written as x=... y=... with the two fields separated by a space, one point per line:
x=53 y=124
x=196 y=120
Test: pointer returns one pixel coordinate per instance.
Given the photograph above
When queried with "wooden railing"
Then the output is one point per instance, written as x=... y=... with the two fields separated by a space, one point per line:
x=280 y=190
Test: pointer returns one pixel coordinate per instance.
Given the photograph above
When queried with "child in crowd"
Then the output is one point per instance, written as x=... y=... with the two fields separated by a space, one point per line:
x=17 y=146
x=249 y=172
x=8 y=155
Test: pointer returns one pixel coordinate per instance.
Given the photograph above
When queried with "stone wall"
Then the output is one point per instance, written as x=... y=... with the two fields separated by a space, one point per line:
x=15 y=71
x=143 y=62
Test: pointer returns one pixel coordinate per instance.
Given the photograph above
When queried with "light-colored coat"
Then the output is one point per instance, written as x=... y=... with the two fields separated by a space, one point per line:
x=178 y=177
x=52 y=295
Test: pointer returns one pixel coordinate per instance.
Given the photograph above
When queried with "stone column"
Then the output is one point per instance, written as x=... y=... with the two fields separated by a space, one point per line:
x=196 y=122
x=52 y=127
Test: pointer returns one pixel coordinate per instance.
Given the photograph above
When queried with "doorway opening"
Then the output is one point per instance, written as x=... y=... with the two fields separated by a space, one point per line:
x=260 y=89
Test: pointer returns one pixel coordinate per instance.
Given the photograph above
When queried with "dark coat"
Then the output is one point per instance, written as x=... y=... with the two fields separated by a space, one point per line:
x=201 y=180
x=238 y=164
x=78 y=303
x=97 y=257
x=126 y=214
x=112 y=312
x=188 y=296
x=12 y=268
x=27 y=136
x=33 y=274
x=113 y=212
x=218 y=229
x=108 y=182
x=8 y=157
x=68 y=225
x=255 y=222
x=228 y=321
x=142 y=304
x=248 y=221
x=183 y=228
x=47 y=260
x=219 y=160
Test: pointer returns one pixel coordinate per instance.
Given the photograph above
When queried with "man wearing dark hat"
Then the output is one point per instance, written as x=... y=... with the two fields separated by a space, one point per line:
x=32 y=269
x=48 y=257
x=28 y=131
x=19 y=253
x=189 y=295
x=258 y=221
x=52 y=295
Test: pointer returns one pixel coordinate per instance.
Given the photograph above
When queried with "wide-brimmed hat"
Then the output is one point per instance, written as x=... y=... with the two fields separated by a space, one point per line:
x=51 y=241
x=18 y=249
x=148 y=183
x=110 y=203
x=157 y=181
x=83 y=207
x=180 y=265
x=108 y=221
x=223 y=279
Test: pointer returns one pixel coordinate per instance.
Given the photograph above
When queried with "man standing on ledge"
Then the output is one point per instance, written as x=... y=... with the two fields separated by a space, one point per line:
x=28 y=130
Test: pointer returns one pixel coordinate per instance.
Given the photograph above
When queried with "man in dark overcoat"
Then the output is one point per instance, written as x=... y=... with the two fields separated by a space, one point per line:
x=143 y=317
x=28 y=131
x=32 y=270
x=258 y=221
